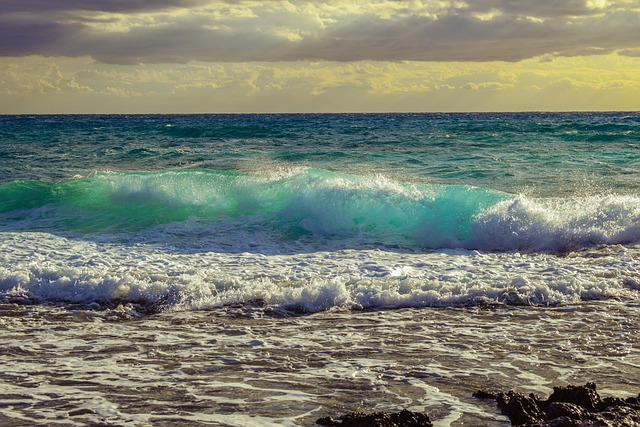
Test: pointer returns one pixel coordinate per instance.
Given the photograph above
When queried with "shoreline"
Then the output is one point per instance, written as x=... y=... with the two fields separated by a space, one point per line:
x=240 y=366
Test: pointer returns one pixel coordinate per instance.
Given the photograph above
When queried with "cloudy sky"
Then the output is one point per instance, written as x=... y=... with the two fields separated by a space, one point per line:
x=164 y=56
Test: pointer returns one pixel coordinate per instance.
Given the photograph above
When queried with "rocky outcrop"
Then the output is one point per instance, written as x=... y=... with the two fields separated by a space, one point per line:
x=567 y=406
x=403 y=418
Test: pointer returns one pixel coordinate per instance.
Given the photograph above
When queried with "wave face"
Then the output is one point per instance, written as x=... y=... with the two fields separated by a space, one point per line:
x=315 y=207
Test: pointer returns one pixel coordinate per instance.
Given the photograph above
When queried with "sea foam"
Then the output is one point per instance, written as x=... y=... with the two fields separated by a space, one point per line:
x=48 y=268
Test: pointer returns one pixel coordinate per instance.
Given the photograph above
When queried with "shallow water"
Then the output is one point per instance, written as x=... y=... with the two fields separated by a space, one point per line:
x=248 y=366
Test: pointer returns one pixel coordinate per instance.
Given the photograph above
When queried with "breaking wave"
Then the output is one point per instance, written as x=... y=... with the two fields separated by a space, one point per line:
x=297 y=206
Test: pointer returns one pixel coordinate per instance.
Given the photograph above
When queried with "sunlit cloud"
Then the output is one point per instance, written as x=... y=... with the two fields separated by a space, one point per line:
x=37 y=82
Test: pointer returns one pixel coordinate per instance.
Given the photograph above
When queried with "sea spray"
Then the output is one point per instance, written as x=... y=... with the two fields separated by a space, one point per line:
x=46 y=268
x=558 y=224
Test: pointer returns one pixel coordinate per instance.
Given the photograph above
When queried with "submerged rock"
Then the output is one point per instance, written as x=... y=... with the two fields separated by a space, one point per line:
x=567 y=406
x=404 y=418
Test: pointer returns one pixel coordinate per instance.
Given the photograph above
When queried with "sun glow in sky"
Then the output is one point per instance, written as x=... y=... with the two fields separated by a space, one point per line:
x=190 y=56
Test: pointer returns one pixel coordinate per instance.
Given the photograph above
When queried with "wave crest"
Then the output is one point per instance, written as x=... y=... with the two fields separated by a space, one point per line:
x=313 y=209
x=558 y=225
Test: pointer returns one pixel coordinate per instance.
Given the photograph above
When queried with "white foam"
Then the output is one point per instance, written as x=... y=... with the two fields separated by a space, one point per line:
x=558 y=224
x=49 y=267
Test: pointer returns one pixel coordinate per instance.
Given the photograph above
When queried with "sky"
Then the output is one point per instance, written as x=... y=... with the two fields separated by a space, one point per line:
x=242 y=56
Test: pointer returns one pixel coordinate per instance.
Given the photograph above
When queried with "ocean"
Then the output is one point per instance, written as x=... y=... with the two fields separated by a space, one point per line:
x=272 y=269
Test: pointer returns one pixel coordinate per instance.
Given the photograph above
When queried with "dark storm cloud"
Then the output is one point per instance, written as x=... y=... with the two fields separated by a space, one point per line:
x=450 y=38
x=463 y=37
x=634 y=53
x=515 y=30
x=539 y=8
x=58 y=27
x=43 y=7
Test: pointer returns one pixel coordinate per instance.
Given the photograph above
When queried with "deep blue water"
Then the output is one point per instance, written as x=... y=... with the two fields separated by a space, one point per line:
x=538 y=153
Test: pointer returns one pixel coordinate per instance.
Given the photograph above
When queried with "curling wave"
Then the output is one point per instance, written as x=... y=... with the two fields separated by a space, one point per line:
x=298 y=206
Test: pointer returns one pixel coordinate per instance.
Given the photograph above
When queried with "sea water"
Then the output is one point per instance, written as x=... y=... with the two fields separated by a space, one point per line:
x=273 y=269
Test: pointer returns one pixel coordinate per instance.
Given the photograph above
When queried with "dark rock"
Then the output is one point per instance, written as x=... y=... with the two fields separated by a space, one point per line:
x=621 y=416
x=328 y=421
x=585 y=396
x=403 y=418
x=568 y=406
x=563 y=422
x=413 y=419
x=631 y=402
x=563 y=409
x=481 y=394
x=519 y=408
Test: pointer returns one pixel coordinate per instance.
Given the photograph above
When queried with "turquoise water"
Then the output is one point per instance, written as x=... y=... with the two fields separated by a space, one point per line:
x=285 y=185
x=308 y=203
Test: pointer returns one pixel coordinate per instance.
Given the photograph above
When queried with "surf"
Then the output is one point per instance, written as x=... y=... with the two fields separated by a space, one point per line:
x=297 y=206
